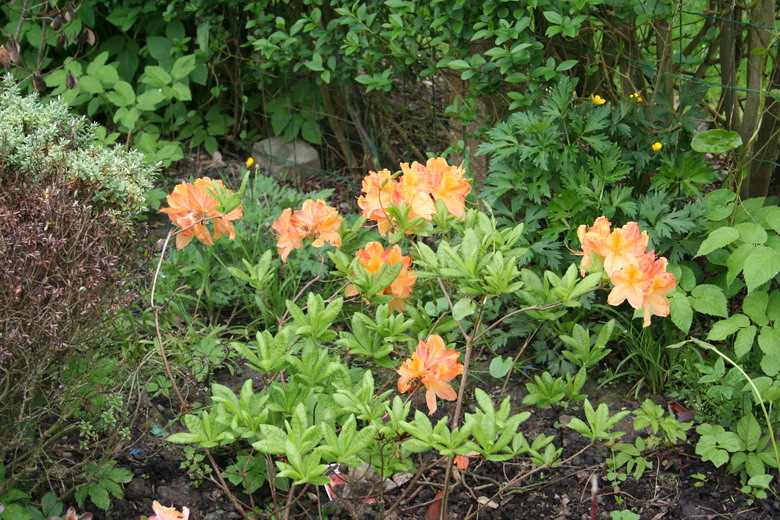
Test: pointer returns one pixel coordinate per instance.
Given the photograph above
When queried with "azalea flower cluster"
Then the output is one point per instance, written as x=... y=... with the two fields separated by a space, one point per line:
x=374 y=256
x=315 y=221
x=192 y=206
x=636 y=274
x=434 y=365
x=417 y=189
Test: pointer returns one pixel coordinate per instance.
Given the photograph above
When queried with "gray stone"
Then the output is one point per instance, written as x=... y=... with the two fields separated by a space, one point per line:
x=277 y=157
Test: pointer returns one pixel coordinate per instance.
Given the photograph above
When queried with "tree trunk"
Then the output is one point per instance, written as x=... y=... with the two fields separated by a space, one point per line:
x=758 y=126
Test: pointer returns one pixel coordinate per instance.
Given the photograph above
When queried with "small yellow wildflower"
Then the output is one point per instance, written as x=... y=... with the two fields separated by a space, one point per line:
x=657 y=147
x=597 y=100
x=250 y=162
x=636 y=97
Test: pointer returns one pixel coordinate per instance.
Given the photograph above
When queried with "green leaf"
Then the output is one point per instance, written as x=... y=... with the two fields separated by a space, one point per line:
x=709 y=299
x=99 y=497
x=90 y=84
x=719 y=238
x=773 y=219
x=122 y=95
x=755 y=305
x=183 y=66
x=761 y=265
x=719 y=204
x=744 y=341
x=725 y=328
x=156 y=76
x=716 y=141
x=500 y=367
x=736 y=262
x=459 y=64
x=181 y=91
x=751 y=233
x=680 y=311
x=749 y=431
x=464 y=308
x=149 y=99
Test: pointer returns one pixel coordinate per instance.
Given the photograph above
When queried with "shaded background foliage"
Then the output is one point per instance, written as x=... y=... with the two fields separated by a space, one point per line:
x=371 y=82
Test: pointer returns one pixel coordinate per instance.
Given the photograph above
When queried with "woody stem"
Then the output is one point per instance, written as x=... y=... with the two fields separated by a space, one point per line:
x=462 y=389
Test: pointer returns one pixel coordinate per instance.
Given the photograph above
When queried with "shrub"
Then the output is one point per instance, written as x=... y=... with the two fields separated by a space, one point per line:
x=44 y=143
x=65 y=246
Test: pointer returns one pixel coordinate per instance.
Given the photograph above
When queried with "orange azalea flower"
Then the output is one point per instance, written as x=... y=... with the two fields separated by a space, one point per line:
x=655 y=296
x=222 y=223
x=380 y=191
x=168 y=513
x=418 y=187
x=622 y=247
x=591 y=240
x=630 y=284
x=290 y=236
x=435 y=366
x=191 y=204
x=449 y=184
x=320 y=222
x=315 y=221
x=374 y=256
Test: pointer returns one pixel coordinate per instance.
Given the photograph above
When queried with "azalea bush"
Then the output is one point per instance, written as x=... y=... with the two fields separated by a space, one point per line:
x=406 y=310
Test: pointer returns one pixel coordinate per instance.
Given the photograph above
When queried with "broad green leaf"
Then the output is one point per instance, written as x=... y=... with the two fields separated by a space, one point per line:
x=736 y=262
x=719 y=238
x=744 y=341
x=755 y=305
x=156 y=76
x=716 y=141
x=680 y=311
x=709 y=299
x=751 y=233
x=500 y=367
x=183 y=66
x=122 y=95
x=725 y=328
x=464 y=308
x=719 y=204
x=773 y=219
x=149 y=99
x=749 y=431
x=761 y=265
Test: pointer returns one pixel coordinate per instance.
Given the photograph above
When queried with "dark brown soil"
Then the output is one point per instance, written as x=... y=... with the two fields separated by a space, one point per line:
x=667 y=491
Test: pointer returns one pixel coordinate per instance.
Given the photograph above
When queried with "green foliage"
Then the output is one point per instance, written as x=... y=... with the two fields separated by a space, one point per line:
x=599 y=422
x=565 y=161
x=102 y=482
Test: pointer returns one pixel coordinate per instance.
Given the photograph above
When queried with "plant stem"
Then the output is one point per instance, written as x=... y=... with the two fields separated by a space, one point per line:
x=155 y=311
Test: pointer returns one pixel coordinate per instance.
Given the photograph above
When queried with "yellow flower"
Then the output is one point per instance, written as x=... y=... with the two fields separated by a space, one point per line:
x=250 y=162
x=636 y=97
x=657 y=147
x=597 y=100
